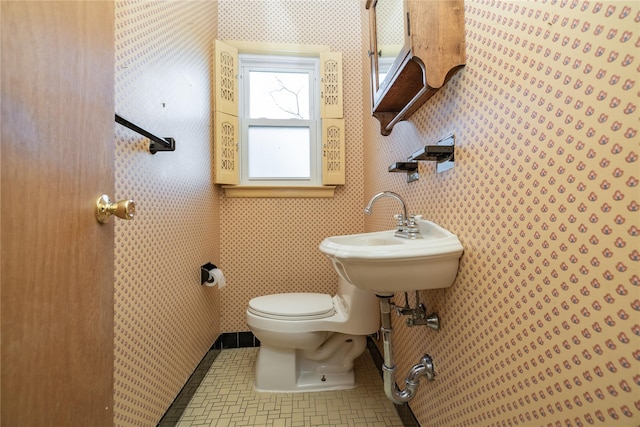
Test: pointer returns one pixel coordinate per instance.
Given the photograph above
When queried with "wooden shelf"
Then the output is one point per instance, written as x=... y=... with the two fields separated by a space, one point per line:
x=434 y=52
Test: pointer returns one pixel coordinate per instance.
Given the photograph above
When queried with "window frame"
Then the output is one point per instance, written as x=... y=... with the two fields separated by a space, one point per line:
x=276 y=62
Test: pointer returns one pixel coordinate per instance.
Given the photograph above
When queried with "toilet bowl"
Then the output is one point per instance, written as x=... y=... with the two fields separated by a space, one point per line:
x=308 y=341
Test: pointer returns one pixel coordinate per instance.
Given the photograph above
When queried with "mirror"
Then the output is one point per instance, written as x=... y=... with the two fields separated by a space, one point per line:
x=389 y=36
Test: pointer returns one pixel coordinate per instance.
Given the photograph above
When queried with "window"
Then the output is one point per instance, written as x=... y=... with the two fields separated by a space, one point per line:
x=278 y=120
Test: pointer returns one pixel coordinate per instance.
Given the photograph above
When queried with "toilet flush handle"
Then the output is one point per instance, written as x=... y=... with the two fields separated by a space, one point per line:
x=125 y=209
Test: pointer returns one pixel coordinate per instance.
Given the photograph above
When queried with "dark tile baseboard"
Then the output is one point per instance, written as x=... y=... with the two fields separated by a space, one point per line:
x=230 y=340
x=236 y=340
x=404 y=411
x=180 y=403
x=226 y=340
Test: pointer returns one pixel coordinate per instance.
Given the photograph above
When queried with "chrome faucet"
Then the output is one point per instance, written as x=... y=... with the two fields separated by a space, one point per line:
x=406 y=226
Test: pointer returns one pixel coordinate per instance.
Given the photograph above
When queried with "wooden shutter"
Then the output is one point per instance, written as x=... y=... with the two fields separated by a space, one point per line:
x=333 y=142
x=333 y=161
x=225 y=116
x=226 y=153
x=331 y=89
x=225 y=78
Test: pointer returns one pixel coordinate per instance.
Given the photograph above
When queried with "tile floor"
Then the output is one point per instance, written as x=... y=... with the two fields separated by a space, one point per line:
x=226 y=397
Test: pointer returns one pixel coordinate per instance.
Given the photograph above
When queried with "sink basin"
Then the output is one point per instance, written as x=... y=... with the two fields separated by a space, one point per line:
x=383 y=263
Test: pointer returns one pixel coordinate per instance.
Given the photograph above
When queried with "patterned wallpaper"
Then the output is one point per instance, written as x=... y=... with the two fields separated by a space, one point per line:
x=271 y=245
x=541 y=326
x=164 y=320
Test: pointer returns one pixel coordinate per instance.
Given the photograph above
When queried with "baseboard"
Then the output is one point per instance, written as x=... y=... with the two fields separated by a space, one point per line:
x=226 y=340
x=230 y=340
x=404 y=411
x=180 y=403
x=236 y=340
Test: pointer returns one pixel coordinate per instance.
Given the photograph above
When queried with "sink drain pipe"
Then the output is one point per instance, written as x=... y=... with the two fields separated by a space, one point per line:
x=423 y=369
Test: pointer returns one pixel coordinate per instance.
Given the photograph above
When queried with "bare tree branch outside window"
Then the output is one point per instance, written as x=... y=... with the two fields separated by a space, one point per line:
x=283 y=92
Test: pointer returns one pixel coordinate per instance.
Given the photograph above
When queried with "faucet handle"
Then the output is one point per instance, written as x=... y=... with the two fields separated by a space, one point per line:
x=412 y=229
x=399 y=221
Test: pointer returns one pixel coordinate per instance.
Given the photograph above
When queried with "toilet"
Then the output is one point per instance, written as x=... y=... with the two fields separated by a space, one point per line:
x=308 y=341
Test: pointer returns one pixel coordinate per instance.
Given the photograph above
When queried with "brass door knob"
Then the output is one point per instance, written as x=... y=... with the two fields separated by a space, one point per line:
x=124 y=209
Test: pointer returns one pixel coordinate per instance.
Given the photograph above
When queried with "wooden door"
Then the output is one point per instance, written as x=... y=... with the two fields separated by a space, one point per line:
x=57 y=80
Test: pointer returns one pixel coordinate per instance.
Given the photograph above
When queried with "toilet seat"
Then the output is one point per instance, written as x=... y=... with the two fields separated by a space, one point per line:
x=293 y=306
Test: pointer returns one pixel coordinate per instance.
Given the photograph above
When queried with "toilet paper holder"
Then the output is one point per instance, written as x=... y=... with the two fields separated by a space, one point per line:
x=205 y=273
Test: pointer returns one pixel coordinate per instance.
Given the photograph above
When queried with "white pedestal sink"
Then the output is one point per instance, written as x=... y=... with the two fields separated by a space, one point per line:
x=383 y=263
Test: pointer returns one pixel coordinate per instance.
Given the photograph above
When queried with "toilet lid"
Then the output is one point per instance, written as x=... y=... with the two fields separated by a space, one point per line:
x=293 y=306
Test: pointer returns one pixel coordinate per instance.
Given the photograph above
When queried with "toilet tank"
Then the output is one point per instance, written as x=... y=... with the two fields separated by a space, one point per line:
x=361 y=307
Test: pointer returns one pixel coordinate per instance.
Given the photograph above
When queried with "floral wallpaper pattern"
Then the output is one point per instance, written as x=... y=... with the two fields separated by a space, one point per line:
x=541 y=326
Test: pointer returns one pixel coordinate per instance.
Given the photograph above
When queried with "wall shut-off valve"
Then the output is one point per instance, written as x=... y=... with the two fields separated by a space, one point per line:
x=417 y=315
